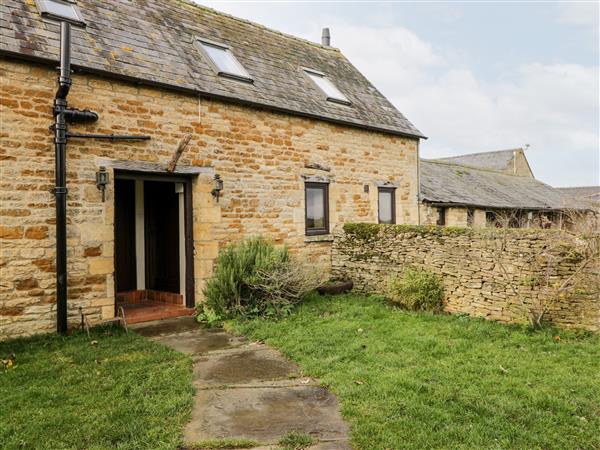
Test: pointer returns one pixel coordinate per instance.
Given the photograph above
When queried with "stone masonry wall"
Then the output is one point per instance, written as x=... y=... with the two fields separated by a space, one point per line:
x=455 y=216
x=261 y=156
x=467 y=261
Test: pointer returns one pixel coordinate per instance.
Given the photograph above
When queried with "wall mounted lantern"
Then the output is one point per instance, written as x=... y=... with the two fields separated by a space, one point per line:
x=102 y=180
x=217 y=186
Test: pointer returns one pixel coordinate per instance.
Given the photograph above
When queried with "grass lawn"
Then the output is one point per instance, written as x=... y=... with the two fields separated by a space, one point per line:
x=415 y=380
x=111 y=390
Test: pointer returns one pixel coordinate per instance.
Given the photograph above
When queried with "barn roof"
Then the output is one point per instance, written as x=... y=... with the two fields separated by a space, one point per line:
x=448 y=183
x=155 y=41
x=582 y=192
x=499 y=160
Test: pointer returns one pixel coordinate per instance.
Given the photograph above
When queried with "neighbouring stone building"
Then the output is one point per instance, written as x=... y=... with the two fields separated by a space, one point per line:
x=489 y=190
x=300 y=139
x=588 y=195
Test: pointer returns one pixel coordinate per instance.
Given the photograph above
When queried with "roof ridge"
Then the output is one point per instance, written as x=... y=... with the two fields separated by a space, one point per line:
x=579 y=187
x=482 y=169
x=482 y=153
x=193 y=4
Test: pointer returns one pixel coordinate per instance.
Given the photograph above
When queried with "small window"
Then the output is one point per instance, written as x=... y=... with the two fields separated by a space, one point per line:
x=333 y=93
x=223 y=61
x=387 y=205
x=491 y=220
x=61 y=10
x=441 y=219
x=470 y=217
x=317 y=208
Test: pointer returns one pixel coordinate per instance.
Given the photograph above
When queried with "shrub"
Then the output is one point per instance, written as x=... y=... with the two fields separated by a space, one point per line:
x=416 y=290
x=254 y=277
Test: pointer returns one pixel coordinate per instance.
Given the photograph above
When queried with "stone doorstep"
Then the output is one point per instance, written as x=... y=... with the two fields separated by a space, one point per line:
x=153 y=311
x=163 y=327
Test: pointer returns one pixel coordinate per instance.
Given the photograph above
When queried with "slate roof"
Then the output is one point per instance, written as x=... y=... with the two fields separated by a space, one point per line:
x=497 y=160
x=588 y=195
x=587 y=192
x=154 y=41
x=447 y=183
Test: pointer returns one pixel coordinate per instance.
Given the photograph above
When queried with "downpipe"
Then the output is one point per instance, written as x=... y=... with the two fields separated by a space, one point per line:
x=64 y=115
x=60 y=168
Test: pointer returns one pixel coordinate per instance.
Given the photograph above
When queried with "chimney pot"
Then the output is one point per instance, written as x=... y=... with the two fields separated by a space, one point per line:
x=326 y=37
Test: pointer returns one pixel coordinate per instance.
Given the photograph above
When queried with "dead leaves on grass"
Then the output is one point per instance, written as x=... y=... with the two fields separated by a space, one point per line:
x=8 y=363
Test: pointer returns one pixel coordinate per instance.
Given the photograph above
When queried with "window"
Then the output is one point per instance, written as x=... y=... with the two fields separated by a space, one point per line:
x=387 y=205
x=470 y=217
x=491 y=220
x=441 y=220
x=333 y=93
x=61 y=10
x=317 y=206
x=223 y=61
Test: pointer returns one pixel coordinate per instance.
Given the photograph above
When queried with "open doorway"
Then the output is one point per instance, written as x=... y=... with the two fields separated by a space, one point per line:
x=153 y=247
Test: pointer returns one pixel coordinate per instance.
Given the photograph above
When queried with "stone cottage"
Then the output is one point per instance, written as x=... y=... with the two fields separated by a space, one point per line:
x=490 y=189
x=280 y=137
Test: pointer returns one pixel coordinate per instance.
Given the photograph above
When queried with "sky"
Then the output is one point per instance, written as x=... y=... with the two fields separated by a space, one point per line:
x=471 y=76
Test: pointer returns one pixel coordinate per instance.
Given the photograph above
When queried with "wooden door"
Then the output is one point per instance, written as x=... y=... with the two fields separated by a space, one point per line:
x=161 y=211
x=125 y=267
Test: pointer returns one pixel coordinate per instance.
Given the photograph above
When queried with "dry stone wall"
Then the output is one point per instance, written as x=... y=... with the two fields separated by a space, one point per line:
x=479 y=269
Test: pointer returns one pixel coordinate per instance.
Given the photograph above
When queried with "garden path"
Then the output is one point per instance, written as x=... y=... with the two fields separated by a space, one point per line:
x=249 y=390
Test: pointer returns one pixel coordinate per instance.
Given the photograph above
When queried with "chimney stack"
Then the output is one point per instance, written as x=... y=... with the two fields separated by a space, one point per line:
x=325 y=38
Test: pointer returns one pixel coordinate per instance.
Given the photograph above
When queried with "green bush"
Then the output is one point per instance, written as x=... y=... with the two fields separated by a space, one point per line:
x=255 y=278
x=416 y=290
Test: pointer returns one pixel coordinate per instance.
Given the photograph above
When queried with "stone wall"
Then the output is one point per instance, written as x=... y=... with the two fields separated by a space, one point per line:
x=262 y=157
x=477 y=268
x=454 y=216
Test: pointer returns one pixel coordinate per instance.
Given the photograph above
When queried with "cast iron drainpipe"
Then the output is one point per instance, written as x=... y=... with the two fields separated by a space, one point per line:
x=60 y=191
x=62 y=115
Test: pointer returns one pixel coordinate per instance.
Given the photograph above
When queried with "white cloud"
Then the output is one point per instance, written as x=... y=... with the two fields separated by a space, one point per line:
x=552 y=107
x=579 y=12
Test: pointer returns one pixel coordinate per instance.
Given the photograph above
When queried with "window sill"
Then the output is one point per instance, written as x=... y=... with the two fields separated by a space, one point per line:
x=233 y=76
x=319 y=238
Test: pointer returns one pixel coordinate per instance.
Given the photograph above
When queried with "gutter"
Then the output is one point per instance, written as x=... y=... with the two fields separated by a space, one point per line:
x=206 y=94
x=488 y=207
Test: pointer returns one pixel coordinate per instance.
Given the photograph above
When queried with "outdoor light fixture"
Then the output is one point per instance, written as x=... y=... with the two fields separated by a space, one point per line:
x=102 y=180
x=218 y=186
x=61 y=11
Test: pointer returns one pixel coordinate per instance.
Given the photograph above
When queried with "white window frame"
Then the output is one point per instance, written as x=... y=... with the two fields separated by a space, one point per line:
x=201 y=42
x=342 y=101
x=47 y=13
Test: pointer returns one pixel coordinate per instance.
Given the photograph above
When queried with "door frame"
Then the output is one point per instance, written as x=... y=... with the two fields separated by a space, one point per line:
x=186 y=180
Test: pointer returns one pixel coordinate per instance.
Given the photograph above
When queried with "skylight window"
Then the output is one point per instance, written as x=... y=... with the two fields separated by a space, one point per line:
x=332 y=92
x=223 y=60
x=61 y=10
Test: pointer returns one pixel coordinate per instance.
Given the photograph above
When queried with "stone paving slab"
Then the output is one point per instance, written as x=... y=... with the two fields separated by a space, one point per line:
x=166 y=326
x=245 y=365
x=265 y=414
x=201 y=341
